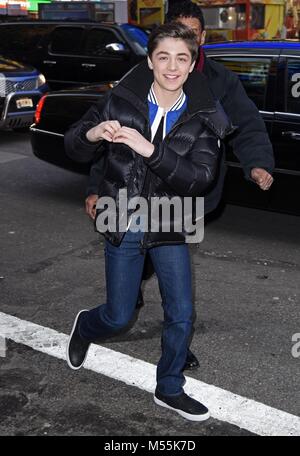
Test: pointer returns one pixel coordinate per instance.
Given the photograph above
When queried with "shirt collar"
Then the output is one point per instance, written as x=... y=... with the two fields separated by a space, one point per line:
x=176 y=106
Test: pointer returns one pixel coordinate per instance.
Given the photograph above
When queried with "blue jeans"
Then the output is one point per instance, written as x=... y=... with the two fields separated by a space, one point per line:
x=124 y=268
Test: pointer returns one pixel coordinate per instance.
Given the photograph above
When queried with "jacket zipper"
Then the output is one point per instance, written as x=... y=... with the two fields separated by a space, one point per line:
x=143 y=242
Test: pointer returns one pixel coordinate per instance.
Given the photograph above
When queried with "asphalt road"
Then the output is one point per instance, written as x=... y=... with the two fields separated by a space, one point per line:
x=246 y=276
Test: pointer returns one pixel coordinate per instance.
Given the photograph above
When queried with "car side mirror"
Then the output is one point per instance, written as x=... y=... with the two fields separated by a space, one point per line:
x=117 y=48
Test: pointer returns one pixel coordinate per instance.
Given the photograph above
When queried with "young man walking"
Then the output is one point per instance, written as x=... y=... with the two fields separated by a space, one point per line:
x=160 y=137
x=249 y=142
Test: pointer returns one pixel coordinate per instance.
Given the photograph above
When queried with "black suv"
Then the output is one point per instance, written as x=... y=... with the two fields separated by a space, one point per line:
x=76 y=53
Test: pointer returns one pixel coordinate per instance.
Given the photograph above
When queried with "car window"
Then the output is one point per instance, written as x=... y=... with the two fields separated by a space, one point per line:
x=293 y=94
x=21 y=38
x=253 y=73
x=96 y=41
x=66 y=40
x=138 y=38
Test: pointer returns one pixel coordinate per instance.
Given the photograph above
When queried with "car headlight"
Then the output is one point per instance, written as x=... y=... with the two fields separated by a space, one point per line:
x=41 y=80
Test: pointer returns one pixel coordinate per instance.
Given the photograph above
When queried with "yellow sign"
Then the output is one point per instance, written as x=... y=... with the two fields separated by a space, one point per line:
x=150 y=12
x=150 y=3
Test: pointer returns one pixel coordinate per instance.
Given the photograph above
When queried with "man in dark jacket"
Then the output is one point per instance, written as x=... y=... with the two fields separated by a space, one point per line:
x=250 y=141
x=161 y=139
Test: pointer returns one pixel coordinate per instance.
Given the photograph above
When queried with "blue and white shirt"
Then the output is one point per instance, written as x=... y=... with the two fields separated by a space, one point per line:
x=170 y=117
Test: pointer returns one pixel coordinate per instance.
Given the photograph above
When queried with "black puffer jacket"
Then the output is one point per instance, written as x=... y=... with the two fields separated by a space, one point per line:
x=186 y=163
x=249 y=142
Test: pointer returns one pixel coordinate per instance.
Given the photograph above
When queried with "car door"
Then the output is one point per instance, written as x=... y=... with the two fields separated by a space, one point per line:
x=60 y=64
x=257 y=73
x=97 y=63
x=286 y=134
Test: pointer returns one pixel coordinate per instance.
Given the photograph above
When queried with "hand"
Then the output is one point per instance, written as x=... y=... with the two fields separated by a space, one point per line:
x=90 y=205
x=105 y=130
x=262 y=178
x=134 y=140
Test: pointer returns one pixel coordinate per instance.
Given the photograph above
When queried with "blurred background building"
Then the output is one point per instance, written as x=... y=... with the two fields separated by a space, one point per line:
x=225 y=19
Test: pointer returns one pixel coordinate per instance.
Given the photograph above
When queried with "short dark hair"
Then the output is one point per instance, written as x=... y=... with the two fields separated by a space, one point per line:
x=173 y=30
x=185 y=8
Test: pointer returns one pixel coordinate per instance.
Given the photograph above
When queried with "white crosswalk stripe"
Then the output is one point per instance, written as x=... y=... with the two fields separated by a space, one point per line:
x=223 y=405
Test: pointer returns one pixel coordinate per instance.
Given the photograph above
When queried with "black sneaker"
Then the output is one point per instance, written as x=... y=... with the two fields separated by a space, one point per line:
x=77 y=347
x=191 y=362
x=183 y=404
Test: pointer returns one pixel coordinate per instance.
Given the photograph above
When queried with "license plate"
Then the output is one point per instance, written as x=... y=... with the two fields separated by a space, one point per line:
x=24 y=103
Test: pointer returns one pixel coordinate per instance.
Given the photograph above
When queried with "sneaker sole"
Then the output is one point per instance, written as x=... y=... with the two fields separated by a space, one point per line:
x=68 y=346
x=188 y=416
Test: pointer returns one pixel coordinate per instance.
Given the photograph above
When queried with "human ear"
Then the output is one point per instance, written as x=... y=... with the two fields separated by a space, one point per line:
x=202 y=39
x=150 y=63
x=192 y=66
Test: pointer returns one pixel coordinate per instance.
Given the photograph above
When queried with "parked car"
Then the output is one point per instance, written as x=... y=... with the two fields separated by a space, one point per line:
x=21 y=87
x=74 y=53
x=270 y=73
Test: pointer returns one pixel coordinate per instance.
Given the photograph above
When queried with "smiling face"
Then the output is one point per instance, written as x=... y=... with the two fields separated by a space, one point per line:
x=171 y=62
